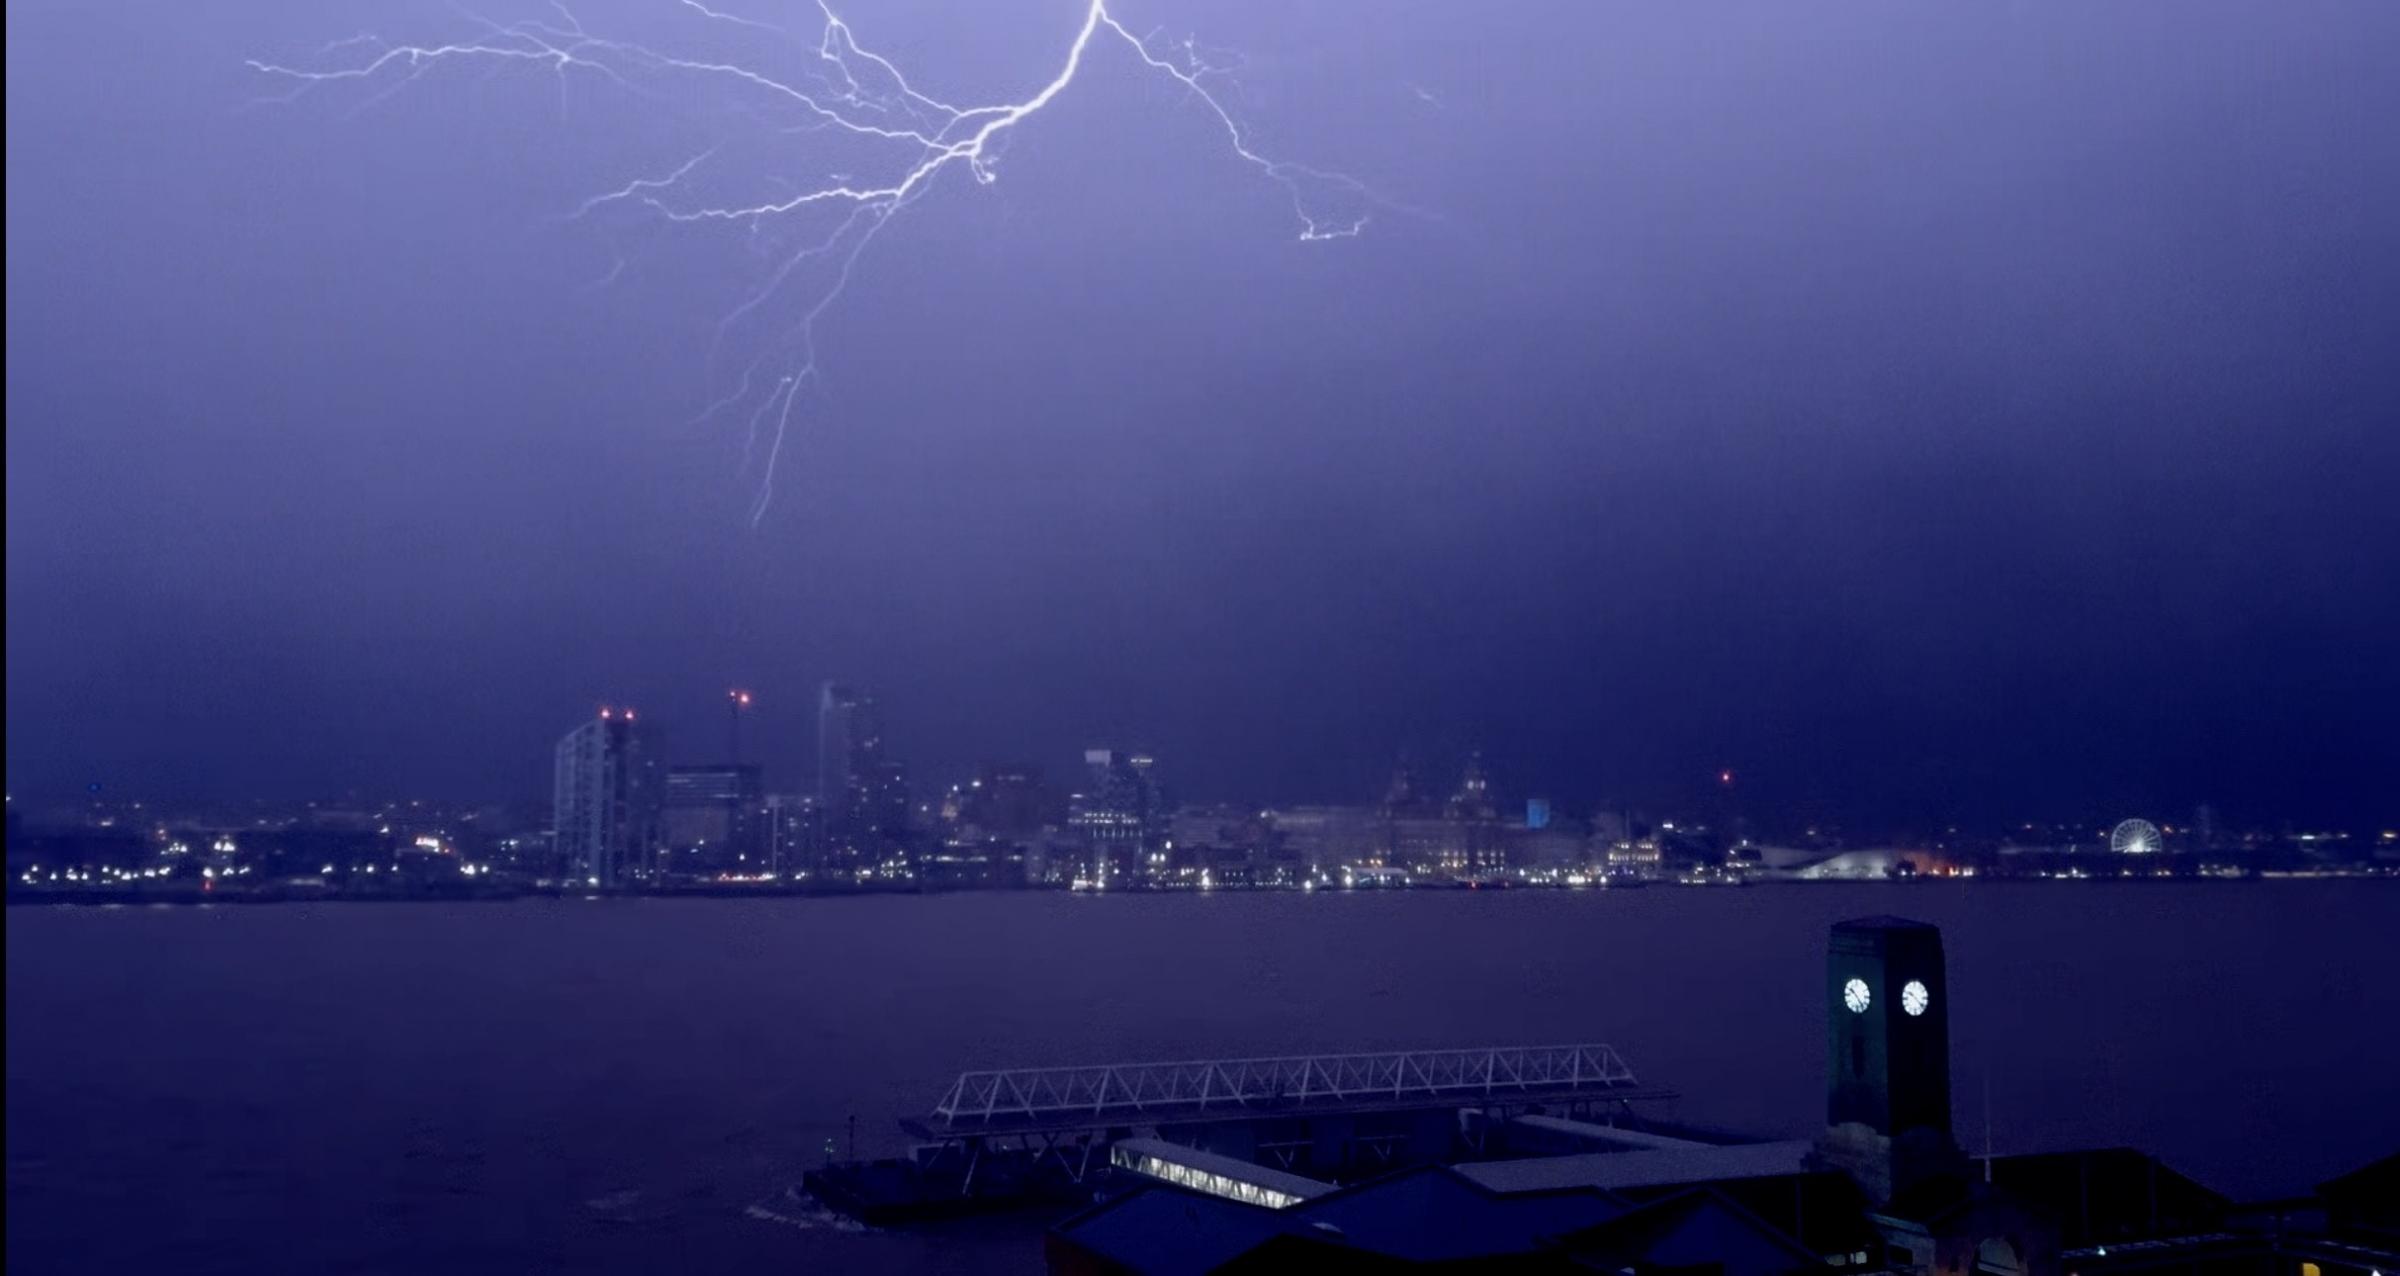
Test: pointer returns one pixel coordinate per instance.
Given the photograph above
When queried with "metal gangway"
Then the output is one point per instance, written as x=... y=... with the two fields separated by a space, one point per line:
x=1129 y=1095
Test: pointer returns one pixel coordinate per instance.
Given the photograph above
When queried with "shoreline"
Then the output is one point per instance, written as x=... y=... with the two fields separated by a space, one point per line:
x=104 y=897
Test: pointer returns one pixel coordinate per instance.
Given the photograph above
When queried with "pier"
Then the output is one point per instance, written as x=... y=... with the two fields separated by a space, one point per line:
x=1274 y=1125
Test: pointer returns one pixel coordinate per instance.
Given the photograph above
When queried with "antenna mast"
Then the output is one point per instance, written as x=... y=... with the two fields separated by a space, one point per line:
x=1987 y=1120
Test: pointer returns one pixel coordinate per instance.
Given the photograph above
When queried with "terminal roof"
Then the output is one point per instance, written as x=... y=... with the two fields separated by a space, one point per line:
x=1613 y=1170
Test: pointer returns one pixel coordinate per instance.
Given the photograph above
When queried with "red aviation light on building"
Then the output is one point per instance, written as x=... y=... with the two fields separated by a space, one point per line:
x=1725 y=778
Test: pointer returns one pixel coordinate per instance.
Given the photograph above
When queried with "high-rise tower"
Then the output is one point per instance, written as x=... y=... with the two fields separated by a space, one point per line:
x=608 y=790
x=849 y=744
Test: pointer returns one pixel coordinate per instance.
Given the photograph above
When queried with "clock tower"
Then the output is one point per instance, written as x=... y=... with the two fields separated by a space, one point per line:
x=1887 y=1057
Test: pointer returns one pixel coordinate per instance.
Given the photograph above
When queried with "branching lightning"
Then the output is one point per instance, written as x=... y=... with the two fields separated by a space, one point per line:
x=904 y=138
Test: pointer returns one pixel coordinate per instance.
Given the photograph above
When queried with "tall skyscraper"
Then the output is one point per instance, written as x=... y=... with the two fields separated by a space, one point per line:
x=608 y=791
x=849 y=745
x=864 y=794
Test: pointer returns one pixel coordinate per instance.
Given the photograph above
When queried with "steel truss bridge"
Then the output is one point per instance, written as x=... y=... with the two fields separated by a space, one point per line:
x=1057 y=1119
x=1124 y=1095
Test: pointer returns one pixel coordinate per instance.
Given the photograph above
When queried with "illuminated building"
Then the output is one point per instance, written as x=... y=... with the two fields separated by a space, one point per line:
x=1475 y=843
x=1636 y=859
x=881 y=810
x=794 y=833
x=1120 y=816
x=607 y=796
x=863 y=794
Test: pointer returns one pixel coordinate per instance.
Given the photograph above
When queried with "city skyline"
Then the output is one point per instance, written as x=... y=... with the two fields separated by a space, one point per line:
x=1716 y=794
x=1713 y=795
x=722 y=789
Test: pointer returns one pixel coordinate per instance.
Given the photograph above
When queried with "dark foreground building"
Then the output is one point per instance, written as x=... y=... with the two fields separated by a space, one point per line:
x=1885 y=1188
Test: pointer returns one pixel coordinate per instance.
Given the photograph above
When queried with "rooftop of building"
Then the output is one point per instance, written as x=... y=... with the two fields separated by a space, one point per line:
x=1440 y=1214
x=2095 y=1195
x=1434 y=1217
x=1822 y=1209
x=1884 y=921
x=1171 y=1232
x=2375 y=1183
x=1648 y=1167
x=1689 y=1228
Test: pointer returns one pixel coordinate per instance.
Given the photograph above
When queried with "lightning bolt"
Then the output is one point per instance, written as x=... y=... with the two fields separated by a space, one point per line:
x=902 y=136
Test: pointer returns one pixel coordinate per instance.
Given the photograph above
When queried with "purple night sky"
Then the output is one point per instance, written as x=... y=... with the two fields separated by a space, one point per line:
x=1972 y=410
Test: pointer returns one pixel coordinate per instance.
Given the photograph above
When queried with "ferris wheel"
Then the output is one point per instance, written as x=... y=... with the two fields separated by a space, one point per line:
x=2135 y=837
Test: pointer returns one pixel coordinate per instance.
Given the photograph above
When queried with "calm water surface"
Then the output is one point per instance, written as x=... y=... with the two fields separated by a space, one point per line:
x=625 y=1086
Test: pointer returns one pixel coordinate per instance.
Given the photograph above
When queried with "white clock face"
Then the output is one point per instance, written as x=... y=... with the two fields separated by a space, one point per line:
x=1915 y=997
x=1856 y=996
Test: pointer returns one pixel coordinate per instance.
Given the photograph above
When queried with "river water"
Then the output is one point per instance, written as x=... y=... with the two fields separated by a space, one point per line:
x=628 y=1085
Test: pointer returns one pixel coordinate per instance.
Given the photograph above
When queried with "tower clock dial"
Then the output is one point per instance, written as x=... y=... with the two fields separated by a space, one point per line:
x=1887 y=1044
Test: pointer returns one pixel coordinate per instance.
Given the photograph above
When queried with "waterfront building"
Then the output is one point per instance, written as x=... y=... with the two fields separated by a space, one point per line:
x=1636 y=859
x=1215 y=843
x=1323 y=839
x=1553 y=847
x=849 y=744
x=794 y=832
x=607 y=796
x=1007 y=800
x=715 y=819
x=884 y=811
x=1120 y=816
x=867 y=808
x=1607 y=829
x=1475 y=843
x=970 y=862
x=1462 y=836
